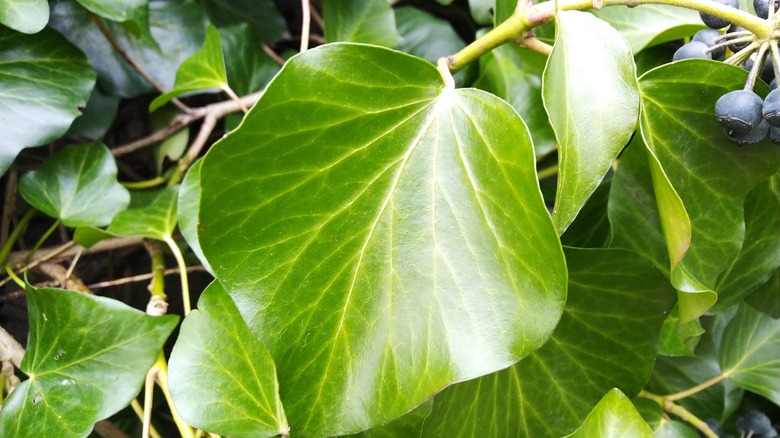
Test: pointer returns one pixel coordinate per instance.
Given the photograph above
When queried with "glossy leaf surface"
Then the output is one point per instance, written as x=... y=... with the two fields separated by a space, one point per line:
x=360 y=21
x=188 y=207
x=749 y=353
x=205 y=69
x=154 y=220
x=26 y=16
x=35 y=110
x=593 y=108
x=78 y=185
x=651 y=24
x=86 y=359
x=614 y=417
x=434 y=226
x=215 y=345
x=606 y=338
x=703 y=167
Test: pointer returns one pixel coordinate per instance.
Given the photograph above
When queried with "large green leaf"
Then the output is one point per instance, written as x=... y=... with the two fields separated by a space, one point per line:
x=86 y=359
x=651 y=24
x=408 y=425
x=177 y=26
x=766 y=299
x=750 y=352
x=78 y=185
x=615 y=416
x=188 y=206
x=691 y=158
x=606 y=338
x=360 y=21
x=381 y=244
x=515 y=75
x=34 y=109
x=590 y=93
x=216 y=346
x=26 y=16
x=204 y=70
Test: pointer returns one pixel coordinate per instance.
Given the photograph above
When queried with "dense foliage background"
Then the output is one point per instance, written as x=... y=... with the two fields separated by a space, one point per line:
x=325 y=218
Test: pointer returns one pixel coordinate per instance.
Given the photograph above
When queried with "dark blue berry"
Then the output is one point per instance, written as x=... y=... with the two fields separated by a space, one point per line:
x=771 y=108
x=753 y=136
x=716 y=22
x=739 y=111
x=709 y=37
x=694 y=49
x=756 y=422
x=762 y=7
x=736 y=47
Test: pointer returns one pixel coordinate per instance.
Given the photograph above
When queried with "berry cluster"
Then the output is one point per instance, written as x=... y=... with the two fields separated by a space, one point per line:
x=753 y=424
x=744 y=116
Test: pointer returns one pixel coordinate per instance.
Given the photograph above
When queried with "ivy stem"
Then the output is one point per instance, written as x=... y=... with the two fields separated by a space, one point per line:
x=141 y=185
x=775 y=57
x=139 y=412
x=18 y=229
x=185 y=288
x=306 y=24
x=41 y=240
x=758 y=65
x=162 y=381
x=698 y=388
x=547 y=172
x=233 y=96
x=148 y=397
x=158 y=304
x=679 y=411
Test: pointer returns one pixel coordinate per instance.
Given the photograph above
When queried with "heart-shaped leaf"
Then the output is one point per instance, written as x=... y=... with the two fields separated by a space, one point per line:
x=155 y=220
x=26 y=16
x=204 y=70
x=749 y=352
x=360 y=21
x=607 y=337
x=216 y=346
x=614 y=417
x=593 y=107
x=35 y=110
x=651 y=24
x=86 y=359
x=77 y=185
x=381 y=244
x=691 y=157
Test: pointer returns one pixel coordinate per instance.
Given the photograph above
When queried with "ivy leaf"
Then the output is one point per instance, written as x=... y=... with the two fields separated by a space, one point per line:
x=514 y=74
x=178 y=28
x=748 y=354
x=434 y=226
x=360 y=21
x=593 y=108
x=408 y=425
x=615 y=416
x=86 y=359
x=651 y=25
x=248 y=67
x=216 y=346
x=679 y=338
x=155 y=220
x=263 y=16
x=134 y=14
x=26 y=16
x=204 y=70
x=591 y=227
x=35 y=110
x=77 y=185
x=692 y=160
x=766 y=299
x=188 y=207
x=606 y=338
x=427 y=36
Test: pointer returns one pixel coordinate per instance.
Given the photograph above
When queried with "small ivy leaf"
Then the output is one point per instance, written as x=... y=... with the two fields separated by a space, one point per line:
x=35 y=110
x=360 y=21
x=749 y=353
x=153 y=220
x=133 y=14
x=679 y=338
x=434 y=226
x=188 y=207
x=26 y=16
x=651 y=24
x=86 y=359
x=593 y=108
x=77 y=185
x=215 y=345
x=248 y=67
x=614 y=417
x=204 y=70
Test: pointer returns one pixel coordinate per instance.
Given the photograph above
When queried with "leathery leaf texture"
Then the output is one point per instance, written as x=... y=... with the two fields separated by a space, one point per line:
x=383 y=236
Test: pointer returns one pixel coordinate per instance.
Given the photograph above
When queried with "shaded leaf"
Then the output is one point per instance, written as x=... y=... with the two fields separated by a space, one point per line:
x=360 y=21
x=651 y=24
x=97 y=117
x=266 y=21
x=434 y=227
x=248 y=67
x=188 y=207
x=408 y=425
x=696 y=161
x=134 y=14
x=515 y=75
x=216 y=346
x=204 y=70
x=482 y=11
x=591 y=227
x=177 y=26
x=679 y=338
x=765 y=298
x=606 y=338
x=593 y=108
x=26 y=16
x=77 y=185
x=614 y=416
x=661 y=424
x=155 y=220
x=35 y=110
x=749 y=353
x=86 y=359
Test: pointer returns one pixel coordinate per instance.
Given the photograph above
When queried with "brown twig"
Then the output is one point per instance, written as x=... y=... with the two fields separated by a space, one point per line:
x=132 y=62
x=178 y=123
x=315 y=15
x=271 y=54
x=142 y=277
